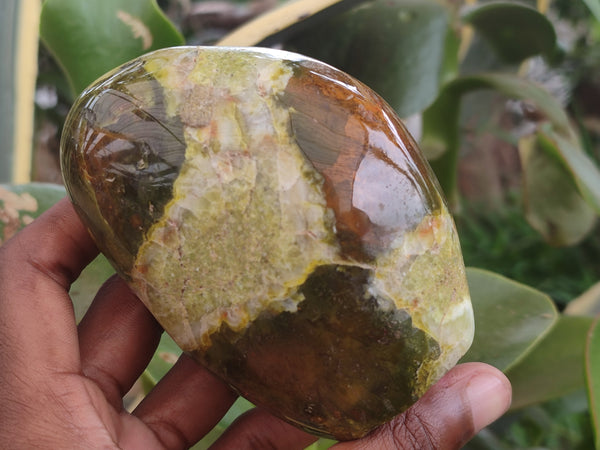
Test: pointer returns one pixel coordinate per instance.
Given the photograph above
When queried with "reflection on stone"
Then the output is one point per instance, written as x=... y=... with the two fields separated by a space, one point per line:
x=280 y=223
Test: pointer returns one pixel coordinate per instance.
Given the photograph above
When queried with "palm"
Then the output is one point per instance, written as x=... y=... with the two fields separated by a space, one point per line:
x=61 y=385
x=98 y=423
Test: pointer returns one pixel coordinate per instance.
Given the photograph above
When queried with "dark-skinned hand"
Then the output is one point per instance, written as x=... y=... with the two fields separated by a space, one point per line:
x=62 y=384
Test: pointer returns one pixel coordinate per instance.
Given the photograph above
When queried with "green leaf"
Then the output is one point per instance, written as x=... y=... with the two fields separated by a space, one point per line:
x=451 y=62
x=440 y=141
x=394 y=46
x=582 y=168
x=441 y=138
x=277 y=25
x=592 y=372
x=510 y=319
x=321 y=444
x=18 y=53
x=8 y=28
x=540 y=100
x=21 y=204
x=515 y=31
x=553 y=204
x=89 y=38
x=555 y=367
x=594 y=6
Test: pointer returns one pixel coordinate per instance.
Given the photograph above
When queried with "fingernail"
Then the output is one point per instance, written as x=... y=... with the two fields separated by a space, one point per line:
x=490 y=397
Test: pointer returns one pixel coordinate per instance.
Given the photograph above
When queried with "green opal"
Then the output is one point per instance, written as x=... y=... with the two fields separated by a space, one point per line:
x=280 y=223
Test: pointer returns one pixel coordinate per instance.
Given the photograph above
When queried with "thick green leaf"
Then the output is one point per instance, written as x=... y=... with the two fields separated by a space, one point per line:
x=451 y=62
x=555 y=367
x=592 y=375
x=18 y=53
x=582 y=168
x=514 y=30
x=279 y=24
x=20 y=204
x=540 y=101
x=510 y=319
x=9 y=10
x=441 y=141
x=553 y=204
x=89 y=38
x=396 y=47
x=594 y=6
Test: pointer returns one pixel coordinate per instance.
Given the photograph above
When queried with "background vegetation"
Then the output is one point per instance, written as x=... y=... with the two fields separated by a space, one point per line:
x=503 y=97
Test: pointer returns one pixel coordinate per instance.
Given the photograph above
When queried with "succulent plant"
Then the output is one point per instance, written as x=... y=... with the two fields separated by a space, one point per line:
x=279 y=221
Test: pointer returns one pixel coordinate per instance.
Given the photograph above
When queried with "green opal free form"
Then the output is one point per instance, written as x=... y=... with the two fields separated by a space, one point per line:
x=280 y=223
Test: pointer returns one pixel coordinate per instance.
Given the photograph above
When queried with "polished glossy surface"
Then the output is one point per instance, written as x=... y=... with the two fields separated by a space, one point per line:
x=281 y=224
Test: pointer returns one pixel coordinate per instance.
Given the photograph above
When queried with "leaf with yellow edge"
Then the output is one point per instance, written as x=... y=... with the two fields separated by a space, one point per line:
x=406 y=37
x=19 y=54
x=21 y=204
x=277 y=25
x=515 y=31
x=89 y=38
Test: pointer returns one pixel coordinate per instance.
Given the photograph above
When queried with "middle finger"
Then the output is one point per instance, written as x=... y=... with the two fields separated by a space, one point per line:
x=117 y=338
x=186 y=404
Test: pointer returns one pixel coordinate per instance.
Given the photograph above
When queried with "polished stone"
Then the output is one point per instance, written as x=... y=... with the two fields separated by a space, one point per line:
x=279 y=221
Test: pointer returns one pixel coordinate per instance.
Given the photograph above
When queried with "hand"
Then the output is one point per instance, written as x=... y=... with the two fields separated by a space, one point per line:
x=61 y=385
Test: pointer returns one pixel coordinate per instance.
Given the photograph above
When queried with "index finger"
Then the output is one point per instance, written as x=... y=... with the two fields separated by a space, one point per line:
x=37 y=267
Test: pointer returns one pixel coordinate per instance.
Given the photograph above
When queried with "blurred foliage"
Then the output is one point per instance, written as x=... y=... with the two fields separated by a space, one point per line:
x=503 y=242
x=558 y=424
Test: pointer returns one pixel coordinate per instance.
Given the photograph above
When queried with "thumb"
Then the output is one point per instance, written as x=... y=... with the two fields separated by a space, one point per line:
x=465 y=400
